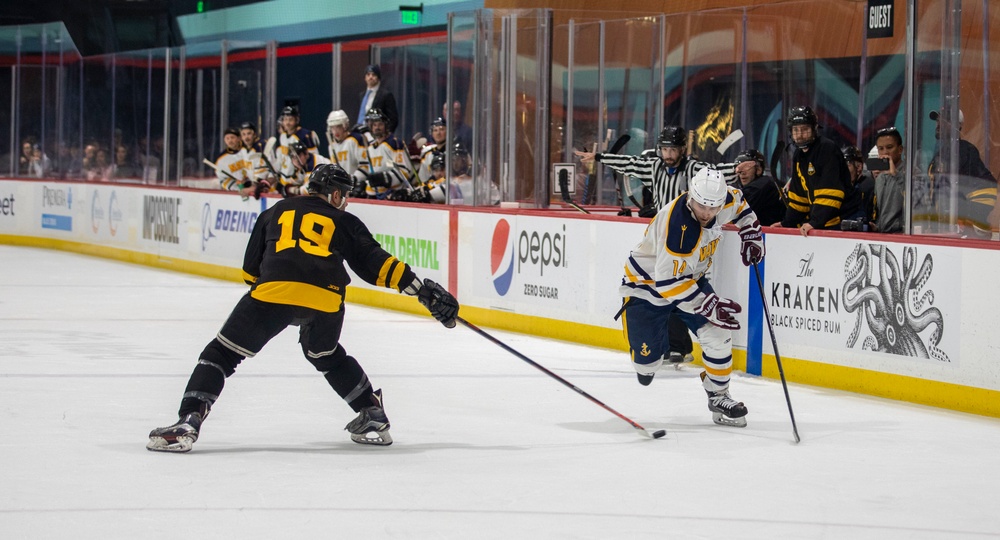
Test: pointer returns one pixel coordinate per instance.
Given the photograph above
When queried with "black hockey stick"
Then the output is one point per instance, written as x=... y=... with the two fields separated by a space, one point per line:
x=543 y=369
x=779 y=150
x=563 y=189
x=777 y=357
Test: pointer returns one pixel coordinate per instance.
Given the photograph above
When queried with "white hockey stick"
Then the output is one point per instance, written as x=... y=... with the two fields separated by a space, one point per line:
x=730 y=140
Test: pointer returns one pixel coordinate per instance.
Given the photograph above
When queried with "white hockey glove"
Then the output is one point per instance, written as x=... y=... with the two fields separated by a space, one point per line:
x=720 y=312
x=752 y=248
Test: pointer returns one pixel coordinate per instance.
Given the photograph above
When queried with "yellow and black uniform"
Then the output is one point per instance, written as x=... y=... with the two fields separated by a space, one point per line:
x=820 y=192
x=295 y=263
x=297 y=251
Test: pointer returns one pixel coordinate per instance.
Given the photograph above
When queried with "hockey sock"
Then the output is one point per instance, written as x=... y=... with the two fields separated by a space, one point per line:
x=349 y=380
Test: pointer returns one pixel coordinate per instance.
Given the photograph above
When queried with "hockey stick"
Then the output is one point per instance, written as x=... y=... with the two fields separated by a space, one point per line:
x=777 y=357
x=779 y=150
x=543 y=369
x=730 y=140
x=216 y=168
x=563 y=187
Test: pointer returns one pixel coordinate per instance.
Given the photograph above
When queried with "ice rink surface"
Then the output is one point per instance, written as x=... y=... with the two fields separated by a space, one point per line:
x=95 y=353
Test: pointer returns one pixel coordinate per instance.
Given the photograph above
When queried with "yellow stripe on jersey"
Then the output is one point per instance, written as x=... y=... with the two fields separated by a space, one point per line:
x=831 y=193
x=396 y=275
x=383 y=273
x=797 y=198
x=835 y=203
x=679 y=288
x=294 y=293
x=633 y=278
x=249 y=279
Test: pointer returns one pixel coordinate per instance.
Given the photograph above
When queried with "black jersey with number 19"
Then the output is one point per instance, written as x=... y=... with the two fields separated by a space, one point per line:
x=307 y=241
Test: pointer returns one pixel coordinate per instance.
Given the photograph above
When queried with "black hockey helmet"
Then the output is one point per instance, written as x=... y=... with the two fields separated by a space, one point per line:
x=672 y=136
x=327 y=178
x=248 y=125
x=290 y=110
x=374 y=114
x=438 y=161
x=751 y=154
x=439 y=122
x=231 y=131
x=853 y=153
x=802 y=115
x=297 y=148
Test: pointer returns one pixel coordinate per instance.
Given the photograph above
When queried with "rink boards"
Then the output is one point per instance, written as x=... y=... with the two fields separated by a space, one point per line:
x=860 y=312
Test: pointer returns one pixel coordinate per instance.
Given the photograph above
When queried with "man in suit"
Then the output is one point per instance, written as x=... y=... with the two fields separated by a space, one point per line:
x=377 y=96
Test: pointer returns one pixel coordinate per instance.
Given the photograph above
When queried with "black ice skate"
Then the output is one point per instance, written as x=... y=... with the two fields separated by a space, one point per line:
x=726 y=411
x=372 y=425
x=179 y=437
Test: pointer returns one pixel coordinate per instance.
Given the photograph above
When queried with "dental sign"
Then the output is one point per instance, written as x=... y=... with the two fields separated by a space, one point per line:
x=879 y=17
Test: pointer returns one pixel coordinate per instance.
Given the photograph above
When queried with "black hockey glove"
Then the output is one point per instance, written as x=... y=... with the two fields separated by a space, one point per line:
x=442 y=305
x=379 y=179
x=647 y=211
x=261 y=187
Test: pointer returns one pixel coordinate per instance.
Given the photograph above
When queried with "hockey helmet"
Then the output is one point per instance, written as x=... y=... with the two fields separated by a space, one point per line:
x=248 y=125
x=338 y=118
x=438 y=161
x=438 y=122
x=708 y=188
x=853 y=153
x=297 y=148
x=459 y=160
x=329 y=177
x=375 y=114
x=672 y=136
x=231 y=131
x=751 y=154
x=802 y=115
x=290 y=110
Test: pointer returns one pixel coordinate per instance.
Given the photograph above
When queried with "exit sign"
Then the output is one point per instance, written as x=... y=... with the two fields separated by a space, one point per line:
x=411 y=14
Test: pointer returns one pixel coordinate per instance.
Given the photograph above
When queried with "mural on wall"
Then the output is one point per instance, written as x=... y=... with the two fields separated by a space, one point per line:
x=892 y=302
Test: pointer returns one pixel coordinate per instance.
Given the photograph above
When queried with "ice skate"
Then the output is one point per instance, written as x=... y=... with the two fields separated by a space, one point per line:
x=372 y=425
x=675 y=359
x=726 y=411
x=179 y=437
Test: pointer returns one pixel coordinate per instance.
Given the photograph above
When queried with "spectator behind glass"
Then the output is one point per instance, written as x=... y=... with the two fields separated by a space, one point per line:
x=124 y=167
x=378 y=96
x=864 y=185
x=460 y=132
x=890 y=184
x=977 y=196
x=26 y=157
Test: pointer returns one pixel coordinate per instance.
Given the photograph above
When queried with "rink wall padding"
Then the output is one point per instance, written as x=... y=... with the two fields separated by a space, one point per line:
x=900 y=317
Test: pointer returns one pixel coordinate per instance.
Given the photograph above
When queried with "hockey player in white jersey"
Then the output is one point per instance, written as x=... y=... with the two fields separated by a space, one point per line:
x=298 y=168
x=439 y=138
x=232 y=168
x=391 y=170
x=347 y=148
x=666 y=274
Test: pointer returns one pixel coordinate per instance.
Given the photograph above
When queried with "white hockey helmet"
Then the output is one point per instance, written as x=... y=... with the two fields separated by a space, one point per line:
x=338 y=118
x=708 y=188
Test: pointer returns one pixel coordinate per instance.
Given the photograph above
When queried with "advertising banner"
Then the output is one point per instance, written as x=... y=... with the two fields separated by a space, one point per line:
x=888 y=300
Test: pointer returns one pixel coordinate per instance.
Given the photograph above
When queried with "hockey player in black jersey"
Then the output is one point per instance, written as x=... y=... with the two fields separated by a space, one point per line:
x=294 y=263
x=820 y=192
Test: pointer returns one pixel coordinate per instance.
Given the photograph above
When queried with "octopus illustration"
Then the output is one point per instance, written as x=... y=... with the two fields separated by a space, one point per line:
x=893 y=306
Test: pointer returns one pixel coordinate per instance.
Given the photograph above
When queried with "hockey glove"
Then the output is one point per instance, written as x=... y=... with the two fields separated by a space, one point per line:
x=647 y=211
x=379 y=179
x=752 y=249
x=442 y=305
x=720 y=311
x=261 y=187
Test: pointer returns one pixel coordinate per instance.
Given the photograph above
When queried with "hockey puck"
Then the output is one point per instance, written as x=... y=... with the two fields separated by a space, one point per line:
x=660 y=433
